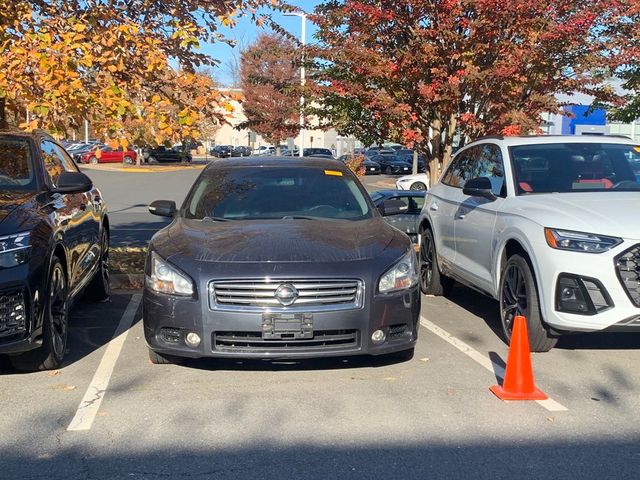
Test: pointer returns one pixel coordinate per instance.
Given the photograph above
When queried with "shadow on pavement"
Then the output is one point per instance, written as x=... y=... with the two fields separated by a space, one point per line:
x=585 y=459
x=135 y=234
x=337 y=363
x=91 y=325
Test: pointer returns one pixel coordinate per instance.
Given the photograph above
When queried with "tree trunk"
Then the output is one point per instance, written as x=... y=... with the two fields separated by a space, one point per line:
x=436 y=142
x=3 y=113
x=448 y=145
x=415 y=162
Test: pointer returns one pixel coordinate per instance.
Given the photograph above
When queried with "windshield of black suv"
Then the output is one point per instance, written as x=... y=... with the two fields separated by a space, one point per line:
x=257 y=193
x=576 y=167
x=16 y=166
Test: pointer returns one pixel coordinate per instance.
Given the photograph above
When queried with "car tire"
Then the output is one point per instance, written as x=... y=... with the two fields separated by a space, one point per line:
x=418 y=186
x=432 y=282
x=152 y=159
x=388 y=171
x=99 y=289
x=163 y=359
x=128 y=160
x=54 y=329
x=94 y=160
x=519 y=296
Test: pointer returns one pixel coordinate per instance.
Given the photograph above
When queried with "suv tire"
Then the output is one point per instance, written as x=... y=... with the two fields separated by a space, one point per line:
x=519 y=296
x=99 y=290
x=432 y=282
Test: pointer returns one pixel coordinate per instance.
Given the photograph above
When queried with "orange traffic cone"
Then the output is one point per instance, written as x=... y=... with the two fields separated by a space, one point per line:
x=518 y=381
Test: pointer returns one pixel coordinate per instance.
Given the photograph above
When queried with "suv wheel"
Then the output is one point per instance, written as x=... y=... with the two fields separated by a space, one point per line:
x=519 y=296
x=388 y=171
x=419 y=186
x=99 y=289
x=432 y=282
x=54 y=329
x=94 y=160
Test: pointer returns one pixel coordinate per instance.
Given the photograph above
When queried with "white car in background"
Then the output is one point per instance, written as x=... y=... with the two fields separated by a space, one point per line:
x=548 y=226
x=419 y=181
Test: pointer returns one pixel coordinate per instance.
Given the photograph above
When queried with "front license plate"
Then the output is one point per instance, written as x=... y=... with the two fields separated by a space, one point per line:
x=372 y=169
x=277 y=326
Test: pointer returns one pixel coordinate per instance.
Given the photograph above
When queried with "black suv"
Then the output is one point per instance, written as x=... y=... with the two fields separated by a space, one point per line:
x=162 y=154
x=54 y=245
x=221 y=151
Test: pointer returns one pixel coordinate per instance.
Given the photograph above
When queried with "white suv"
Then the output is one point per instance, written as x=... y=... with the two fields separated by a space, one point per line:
x=549 y=226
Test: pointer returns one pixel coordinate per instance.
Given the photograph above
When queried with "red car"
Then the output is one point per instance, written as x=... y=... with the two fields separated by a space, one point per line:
x=109 y=155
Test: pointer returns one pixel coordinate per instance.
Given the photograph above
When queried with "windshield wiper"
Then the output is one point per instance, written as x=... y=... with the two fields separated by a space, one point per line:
x=299 y=217
x=215 y=219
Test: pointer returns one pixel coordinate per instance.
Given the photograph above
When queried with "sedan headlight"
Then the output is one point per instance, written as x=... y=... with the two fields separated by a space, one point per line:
x=403 y=275
x=579 y=241
x=164 y=278
x=14 y=249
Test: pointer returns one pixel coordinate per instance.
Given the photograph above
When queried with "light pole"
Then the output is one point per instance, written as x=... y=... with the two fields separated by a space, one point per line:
x=303 y=17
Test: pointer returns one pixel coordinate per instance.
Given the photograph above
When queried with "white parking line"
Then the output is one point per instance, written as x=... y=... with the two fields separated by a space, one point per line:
x=90 y=404
x=550 y=404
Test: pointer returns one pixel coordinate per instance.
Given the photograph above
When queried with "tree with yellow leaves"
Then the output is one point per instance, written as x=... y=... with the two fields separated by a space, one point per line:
x=113 y=63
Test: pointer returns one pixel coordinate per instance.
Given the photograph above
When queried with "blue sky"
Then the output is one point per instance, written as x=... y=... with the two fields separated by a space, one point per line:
x=246 y=31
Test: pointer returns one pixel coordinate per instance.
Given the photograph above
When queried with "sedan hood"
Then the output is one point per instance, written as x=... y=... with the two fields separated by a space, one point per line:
x=10 y=200
x=295 y=240
x=605 y=213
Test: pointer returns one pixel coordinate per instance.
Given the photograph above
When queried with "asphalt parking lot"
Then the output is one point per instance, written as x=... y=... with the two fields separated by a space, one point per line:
x=110 y=414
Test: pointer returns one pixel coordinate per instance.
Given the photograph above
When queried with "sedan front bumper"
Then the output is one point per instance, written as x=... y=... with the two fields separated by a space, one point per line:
x=223 y=333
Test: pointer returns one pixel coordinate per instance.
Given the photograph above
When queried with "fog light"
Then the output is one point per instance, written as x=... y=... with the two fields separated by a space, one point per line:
x=377 y=337
x=192 y=339
x=581 y=295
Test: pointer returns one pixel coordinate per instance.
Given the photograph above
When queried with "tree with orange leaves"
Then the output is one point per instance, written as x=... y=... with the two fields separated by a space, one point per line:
x=111 y=62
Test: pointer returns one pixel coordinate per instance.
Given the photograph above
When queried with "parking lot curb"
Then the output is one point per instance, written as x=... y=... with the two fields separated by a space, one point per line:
x=127 y=281
x=150 y=169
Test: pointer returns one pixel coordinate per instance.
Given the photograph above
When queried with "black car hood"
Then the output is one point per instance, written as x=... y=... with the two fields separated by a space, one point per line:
x=10 y=200
x=295 y=240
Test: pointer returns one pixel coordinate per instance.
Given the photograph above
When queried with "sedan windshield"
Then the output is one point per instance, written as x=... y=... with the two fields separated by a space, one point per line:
x=16 y=167
x=250 y=193
x=576 y=167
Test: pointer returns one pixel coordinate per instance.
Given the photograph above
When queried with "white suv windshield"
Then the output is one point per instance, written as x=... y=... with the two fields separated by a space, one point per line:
x=576 y=167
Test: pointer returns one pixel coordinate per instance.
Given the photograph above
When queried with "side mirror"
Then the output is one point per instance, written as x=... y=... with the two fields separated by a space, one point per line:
x=73 y=182
x=392 y=207
x=163 y=208
x=479 y=187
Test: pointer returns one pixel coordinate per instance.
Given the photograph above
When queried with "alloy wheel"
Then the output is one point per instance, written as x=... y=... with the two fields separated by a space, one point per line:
x=514 y=296
x=426 y=261
x=58 y=311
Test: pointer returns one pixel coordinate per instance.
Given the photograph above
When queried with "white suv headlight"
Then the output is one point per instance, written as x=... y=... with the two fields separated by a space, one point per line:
x=164 y=278
x=579 y=241
x=403 y=275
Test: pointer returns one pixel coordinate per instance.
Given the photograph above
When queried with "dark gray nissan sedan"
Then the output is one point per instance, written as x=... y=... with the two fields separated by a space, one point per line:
x=278 y=258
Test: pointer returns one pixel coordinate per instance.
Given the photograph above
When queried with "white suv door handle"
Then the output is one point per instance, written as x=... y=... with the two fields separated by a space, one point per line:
x=434 y=207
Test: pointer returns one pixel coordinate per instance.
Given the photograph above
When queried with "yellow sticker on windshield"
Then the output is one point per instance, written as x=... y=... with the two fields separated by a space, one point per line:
x=335 y=173
x=637 y=148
